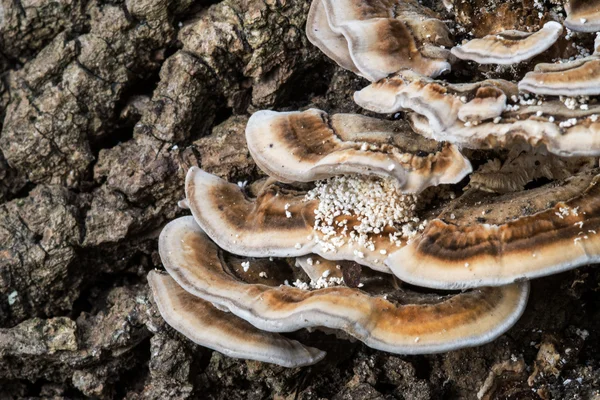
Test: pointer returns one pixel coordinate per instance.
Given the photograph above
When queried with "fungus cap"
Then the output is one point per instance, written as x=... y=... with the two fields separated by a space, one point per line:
x=461 y=320
x=574 y=78
x=440 y=102
x=333 y=44
x=438 y=107
x=509 y=47
x=551 y=126
x=378 y=35
x=488 y=103
x=250 y=227
x=222 y=331
x=311 y=145
x=498 y=240
x=278 y=223
x=583 y=15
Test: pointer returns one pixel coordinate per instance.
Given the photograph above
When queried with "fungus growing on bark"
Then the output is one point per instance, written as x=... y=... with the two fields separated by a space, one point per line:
x=375 y=38
x=251 y=227
x=579 y=77
x=574 y=78
x=509 y=47
x=288 y=223
x=222 y=331
x=583 y=15
x=365 y=206
x=311 y=145
x=454 y=321
x=494 y=240
x=438 y=106
x=438 y=101
x=330 y=42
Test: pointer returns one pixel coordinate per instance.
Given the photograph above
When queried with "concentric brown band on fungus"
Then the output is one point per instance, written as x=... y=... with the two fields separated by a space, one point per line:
x=440 y=102
x=255 y=228
x=222 y=331
x=311 y=145
x=497 y=240
x=574 y=78
x=280 y=223
x=583 y=15
x=509 y=47
x=466 y=319
x=547 y=124
x=375 y=38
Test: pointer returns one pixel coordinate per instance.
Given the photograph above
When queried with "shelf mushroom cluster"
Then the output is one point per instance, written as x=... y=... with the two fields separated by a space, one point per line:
x=377 y=38
x=350 y=197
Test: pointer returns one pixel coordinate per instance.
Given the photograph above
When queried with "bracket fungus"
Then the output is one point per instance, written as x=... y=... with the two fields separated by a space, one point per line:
x=498 y=240
x=504 y=120
x=583 y=15
x=219 y=330
x=311 y=145
x=449 y=322
x=375 y=38
x=347 y=191
x=440 y=102
x=282 y=222
x=509 y=47
x=574 y=78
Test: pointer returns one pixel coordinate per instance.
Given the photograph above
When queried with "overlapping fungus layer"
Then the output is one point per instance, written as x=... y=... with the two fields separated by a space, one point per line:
x=351 y=197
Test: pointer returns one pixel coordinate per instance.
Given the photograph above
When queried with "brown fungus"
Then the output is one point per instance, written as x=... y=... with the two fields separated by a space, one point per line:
x=583 y=15
x=438 y=106
x=222 y=331
x=574 y=78
x=439 y=102
x=285 y=223
x=455 y=321
x=375 y=38
x=484 y=240
x=489 y=102
x=311 y=145
x=509 y=47
x=250 y=227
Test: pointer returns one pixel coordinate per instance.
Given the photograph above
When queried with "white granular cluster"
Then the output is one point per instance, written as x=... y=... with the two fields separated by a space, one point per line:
x=321 y=283
x=324 y=281
x=573 y=103
x=373 y=203
x=566 y=211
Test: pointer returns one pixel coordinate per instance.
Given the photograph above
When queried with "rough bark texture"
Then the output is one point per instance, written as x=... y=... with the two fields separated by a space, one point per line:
x=104 y=105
